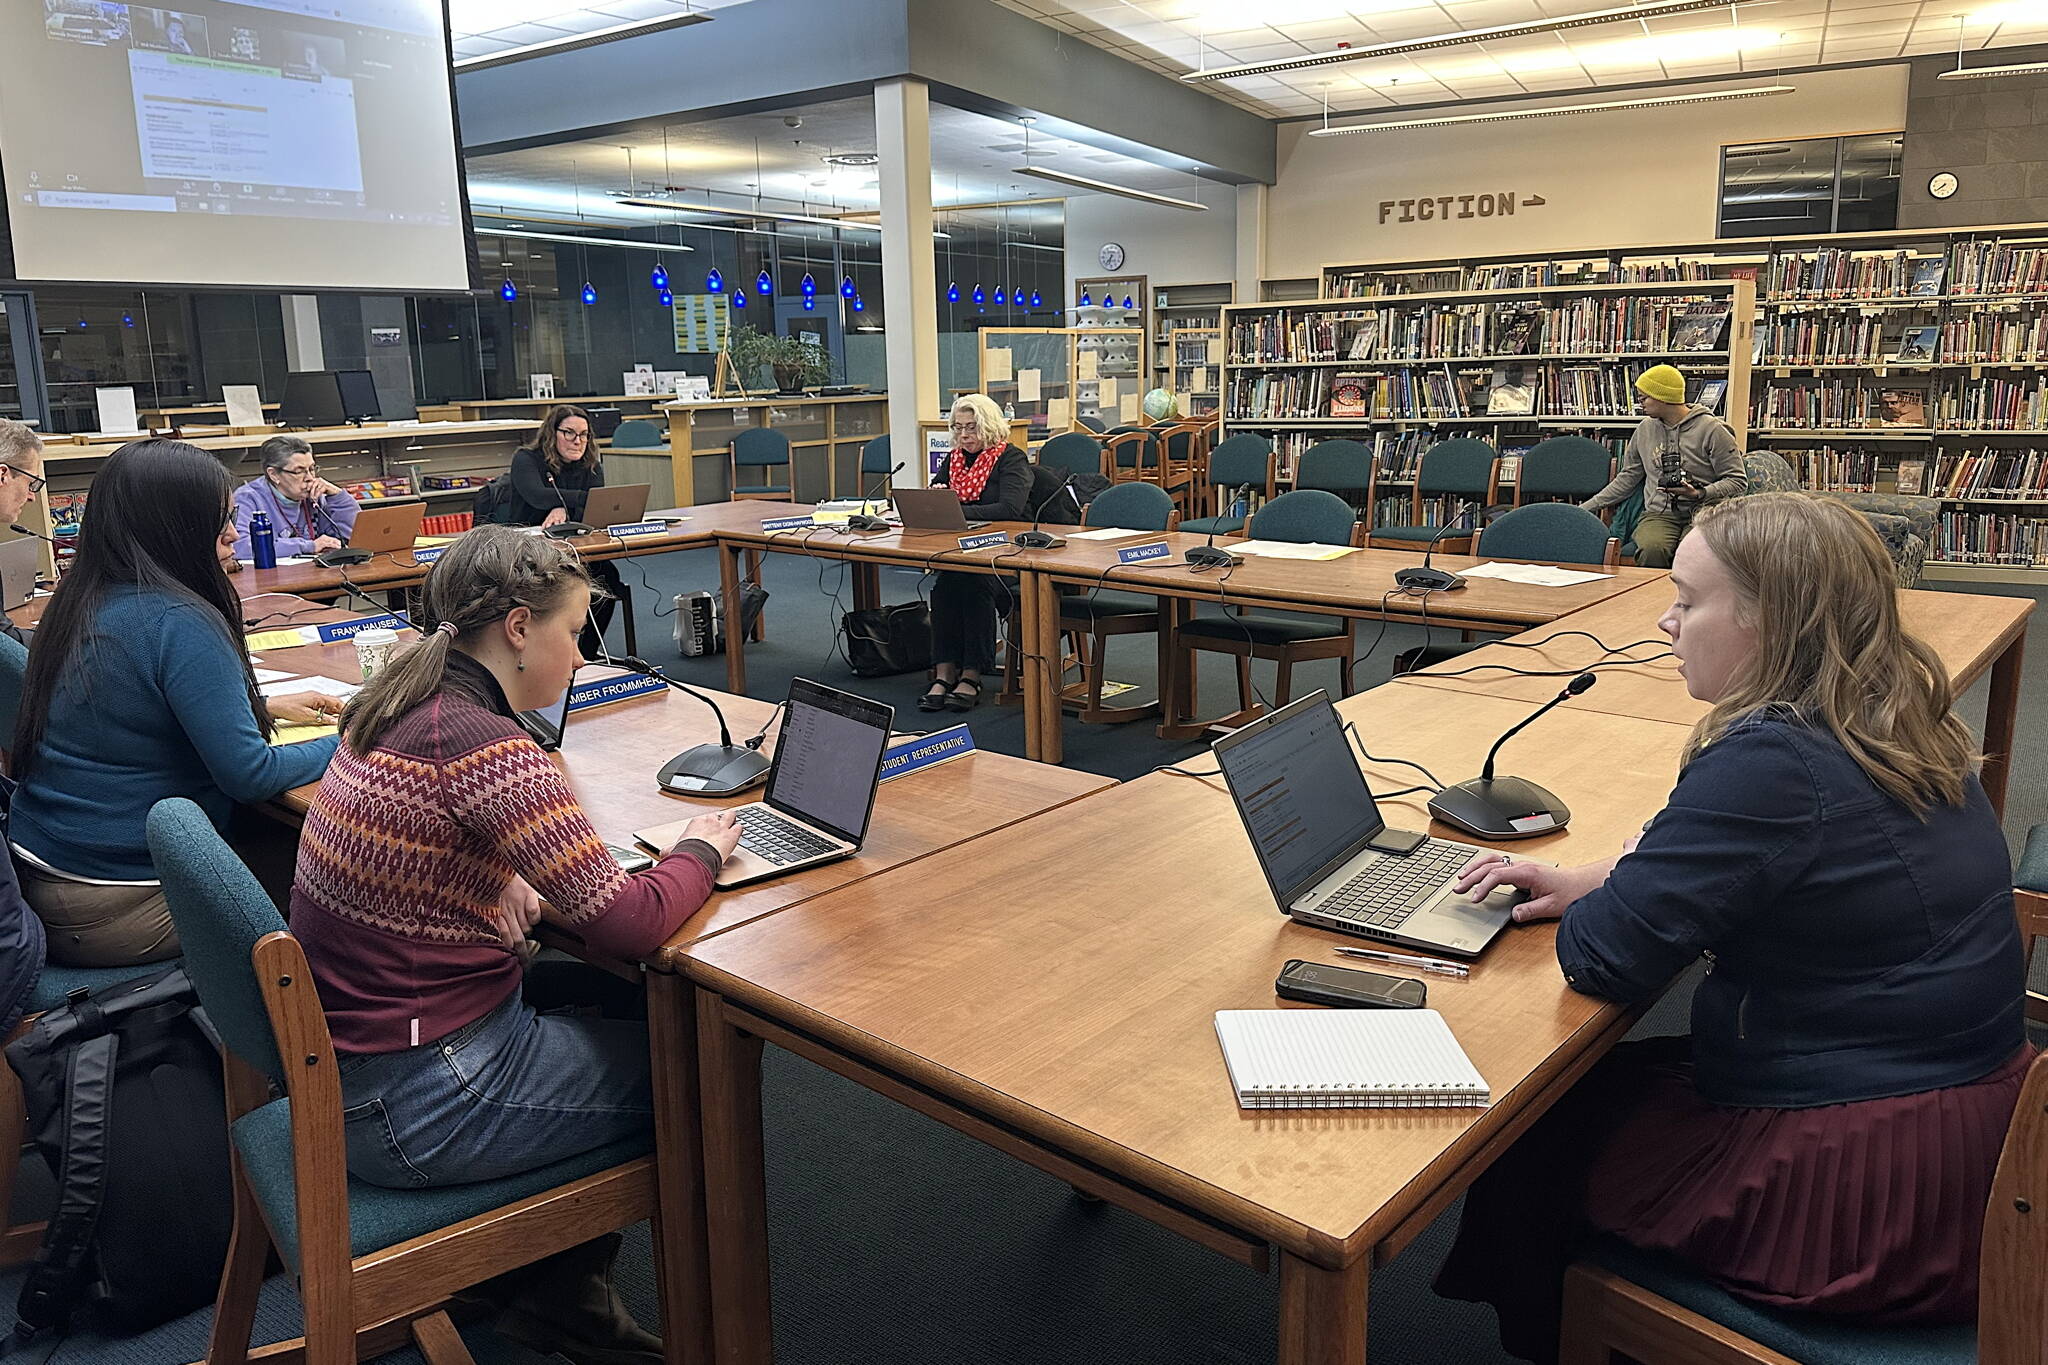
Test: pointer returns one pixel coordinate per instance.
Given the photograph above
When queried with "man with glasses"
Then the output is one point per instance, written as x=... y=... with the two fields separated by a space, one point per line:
x=21 y=478
x=307 y=513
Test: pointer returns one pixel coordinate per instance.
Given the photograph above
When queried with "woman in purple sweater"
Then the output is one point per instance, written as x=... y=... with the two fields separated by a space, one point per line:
x=307 y=513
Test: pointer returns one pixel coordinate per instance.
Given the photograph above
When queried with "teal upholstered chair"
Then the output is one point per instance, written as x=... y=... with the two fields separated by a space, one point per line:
x=1624 y=1304
x=1244 y=461
x=1904 y=523
x=1099 y=615
x=1341 y=467
x=1568 y=468
x=636 y=434
x=1071 y=451
x=13 y=671
x=1465 y=469
x=1305 y=516
x=876 y=457
x=371 y=1263
x=1553 y=532
x=756 y=451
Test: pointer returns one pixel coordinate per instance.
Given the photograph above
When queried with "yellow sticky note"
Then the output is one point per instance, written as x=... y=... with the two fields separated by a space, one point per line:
x=279 y=639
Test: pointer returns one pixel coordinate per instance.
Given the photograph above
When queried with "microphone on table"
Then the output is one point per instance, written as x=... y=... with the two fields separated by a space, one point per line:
x=861 y=520
x=1507 y=807
x=1426 y=579
x=1207 y=556
x=1035 y=539
x=720 y=769
x=572 y=527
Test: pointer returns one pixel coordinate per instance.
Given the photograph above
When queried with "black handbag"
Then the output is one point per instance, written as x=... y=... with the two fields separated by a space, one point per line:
x=882 y=641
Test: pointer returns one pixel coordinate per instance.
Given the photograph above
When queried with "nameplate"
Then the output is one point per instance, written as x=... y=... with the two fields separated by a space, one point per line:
x=983 y=539
x=1138 y=554
x=922 y=751
x=605 y=691
x=788 y=523
x=348 y=630
x=427 y=554
x=637 y=528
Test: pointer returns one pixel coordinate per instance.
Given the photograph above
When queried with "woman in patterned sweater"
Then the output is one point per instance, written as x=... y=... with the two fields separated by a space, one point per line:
x=434 y=836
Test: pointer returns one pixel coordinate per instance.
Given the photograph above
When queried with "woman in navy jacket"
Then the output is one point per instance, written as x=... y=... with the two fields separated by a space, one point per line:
x=1825 y=1139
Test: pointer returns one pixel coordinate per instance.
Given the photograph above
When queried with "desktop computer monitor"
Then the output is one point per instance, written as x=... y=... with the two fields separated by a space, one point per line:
x=358 y=395
x=312 y=398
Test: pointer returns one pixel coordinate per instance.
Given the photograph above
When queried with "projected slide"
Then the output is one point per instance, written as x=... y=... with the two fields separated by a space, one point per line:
x=234 y=143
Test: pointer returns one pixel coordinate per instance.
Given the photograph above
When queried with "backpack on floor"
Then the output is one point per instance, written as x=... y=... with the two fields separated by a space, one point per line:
x=126 y=1103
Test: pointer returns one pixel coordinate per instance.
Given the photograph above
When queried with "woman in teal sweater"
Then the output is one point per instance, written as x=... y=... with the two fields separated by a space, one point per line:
x=139 y=687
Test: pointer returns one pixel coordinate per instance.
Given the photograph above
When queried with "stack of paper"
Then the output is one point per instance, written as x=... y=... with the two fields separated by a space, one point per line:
x=1536 y=575
x=1287 y=549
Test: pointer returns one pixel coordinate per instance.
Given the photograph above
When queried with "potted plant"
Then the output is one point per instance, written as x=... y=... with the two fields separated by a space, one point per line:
x=797 y=364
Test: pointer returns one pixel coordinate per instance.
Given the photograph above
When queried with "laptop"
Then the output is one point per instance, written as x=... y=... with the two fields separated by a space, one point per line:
x=20 y=560
x=821 y=789
x=932 y=509
x=379 y=530
x=621 y=506
x=1327 y=853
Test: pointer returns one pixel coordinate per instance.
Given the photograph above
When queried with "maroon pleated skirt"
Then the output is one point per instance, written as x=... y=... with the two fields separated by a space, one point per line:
x=1872 y=1210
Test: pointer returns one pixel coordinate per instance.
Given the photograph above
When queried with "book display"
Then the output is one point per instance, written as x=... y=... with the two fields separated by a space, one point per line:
x=1184 y=316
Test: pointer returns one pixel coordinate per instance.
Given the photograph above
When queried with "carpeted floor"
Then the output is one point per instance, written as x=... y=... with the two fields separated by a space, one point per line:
x=896 y=1240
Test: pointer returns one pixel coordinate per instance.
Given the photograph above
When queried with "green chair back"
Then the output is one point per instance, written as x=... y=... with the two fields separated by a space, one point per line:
x=1558 y=531
x=1338 y=466
x=1132 y=507
x=637 y=435
x=1564 y=466
x=1307 y=516
x=1243 y=459
x=1075 y=450
x=875 y=456
x=1463 y=466
x=759 y=447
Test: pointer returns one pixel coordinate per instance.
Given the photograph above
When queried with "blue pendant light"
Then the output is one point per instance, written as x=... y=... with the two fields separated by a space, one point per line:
x=589 y=292
x=999 y=296
x=764 y=286
x=809 y=286
x=1128 y=305
x=659 y=279
x=668 y=300
x=127 y=319
x=508 y=291
x=953 y=292
x=739 y=298
x=1086 y=302
x=1037 y=299
x=858 y=306
x=846 y=289
x=810 y=304
x=714 y=282
x=979 y=297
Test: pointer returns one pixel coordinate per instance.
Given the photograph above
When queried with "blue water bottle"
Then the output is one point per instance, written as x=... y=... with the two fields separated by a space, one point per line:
x=262 y=541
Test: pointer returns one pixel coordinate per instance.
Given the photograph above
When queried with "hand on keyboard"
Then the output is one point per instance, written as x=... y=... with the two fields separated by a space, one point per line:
x=718 y=829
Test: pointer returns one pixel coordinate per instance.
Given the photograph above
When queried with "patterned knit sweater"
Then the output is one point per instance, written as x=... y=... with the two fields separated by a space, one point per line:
x=405 y=853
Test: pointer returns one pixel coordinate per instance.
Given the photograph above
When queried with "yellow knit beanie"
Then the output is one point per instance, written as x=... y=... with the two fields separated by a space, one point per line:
x=1662 y=383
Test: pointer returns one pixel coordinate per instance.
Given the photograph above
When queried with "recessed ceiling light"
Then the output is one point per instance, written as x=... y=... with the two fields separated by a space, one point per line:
x=1553 y=111
x=1458 y=37
x=853 y=159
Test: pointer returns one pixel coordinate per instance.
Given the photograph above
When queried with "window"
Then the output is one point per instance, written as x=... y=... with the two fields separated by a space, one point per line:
x=1826 y=184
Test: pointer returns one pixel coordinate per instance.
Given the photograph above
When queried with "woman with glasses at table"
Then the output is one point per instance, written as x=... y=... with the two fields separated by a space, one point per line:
x=307 y=513
x=992 y=479
x=1824 y=1140
x=551 y=481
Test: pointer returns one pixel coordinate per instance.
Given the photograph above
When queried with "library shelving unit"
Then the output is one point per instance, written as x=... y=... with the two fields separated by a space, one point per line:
x=1398 y=373
x=1078 y=372
x=1181 y=308
x=1194 y=369
x=1911 y=361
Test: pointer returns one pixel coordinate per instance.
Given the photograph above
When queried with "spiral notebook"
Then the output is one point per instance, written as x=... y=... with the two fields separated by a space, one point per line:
x=1347 y=1059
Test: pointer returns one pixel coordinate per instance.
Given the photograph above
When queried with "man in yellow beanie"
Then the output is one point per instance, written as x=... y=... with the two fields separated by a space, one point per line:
x=1682 y=457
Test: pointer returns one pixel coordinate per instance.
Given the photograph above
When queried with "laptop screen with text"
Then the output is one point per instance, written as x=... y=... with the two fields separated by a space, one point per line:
x=1303 y=799
x=828 y=757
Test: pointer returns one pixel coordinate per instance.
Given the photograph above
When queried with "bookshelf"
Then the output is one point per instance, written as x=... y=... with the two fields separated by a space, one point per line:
x=1194 y=369
x=1909 y=361
x=1513 y=366
x=1053 y=376
x=1184 y=308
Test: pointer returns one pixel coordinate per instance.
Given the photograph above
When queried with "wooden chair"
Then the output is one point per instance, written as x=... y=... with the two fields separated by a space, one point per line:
x=1245 y=460
x=1567 y=467
x=1305 y=516
x=372 y=1264
x=1466 y=469
x=1184 y=466
x=1096 y=616
x=2030 y=899
x=757 y=449
x=1622 y=1304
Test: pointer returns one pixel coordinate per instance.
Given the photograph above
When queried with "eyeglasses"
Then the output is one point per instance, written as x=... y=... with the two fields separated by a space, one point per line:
x=36 y=482
x=565 y=434
x=295 y=469
x=967 y=426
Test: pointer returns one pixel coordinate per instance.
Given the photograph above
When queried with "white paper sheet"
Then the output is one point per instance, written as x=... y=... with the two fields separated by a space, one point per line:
x=332 y=687
x=998 y=363
x=116 y=410
x=244 y=404
x=1537 y=575
x=1107 y=533
x=271 y=675
x=1027 y=385
x=1089 y=365
x=1287 y=549
x=1127 y=408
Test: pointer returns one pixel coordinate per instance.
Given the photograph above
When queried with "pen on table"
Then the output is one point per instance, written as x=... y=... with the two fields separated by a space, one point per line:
x=1427 y=964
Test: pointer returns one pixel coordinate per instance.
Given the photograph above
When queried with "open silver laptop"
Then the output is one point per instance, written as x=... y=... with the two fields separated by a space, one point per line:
x=19 y=560
x=821 y=789
x=932 y=509
x=1327 y=853
x=620 y=505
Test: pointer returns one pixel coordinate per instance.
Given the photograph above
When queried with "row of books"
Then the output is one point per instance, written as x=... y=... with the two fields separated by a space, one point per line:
x=1397 y=508
x=1279 y=393
x=1842 y=338
x=1831 y=469
x=1981 y=337
x=1850 y=404
x=1987 y=473
x=1996 y=268
x=1998 y=538
x=1445 y=391
x=1371 y=283
x=1995 y=405
x=1839 y=273
x=1608 y=326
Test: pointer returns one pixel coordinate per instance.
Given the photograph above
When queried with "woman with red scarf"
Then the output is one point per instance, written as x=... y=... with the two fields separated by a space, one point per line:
x=992 y=479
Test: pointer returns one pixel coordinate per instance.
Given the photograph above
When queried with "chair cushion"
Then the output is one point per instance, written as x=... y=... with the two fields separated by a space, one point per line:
x=765 y=488
x=380 y=1217
x=2033 y=872
x=1088 y=606
x=58 y=981
x=1808 y=1338
x=1418 y=534
x=1264 y=629
x=1222 y=526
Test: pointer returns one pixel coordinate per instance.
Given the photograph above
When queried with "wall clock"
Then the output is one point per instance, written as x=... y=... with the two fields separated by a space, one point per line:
x=1111 y=256
x=1943 y=185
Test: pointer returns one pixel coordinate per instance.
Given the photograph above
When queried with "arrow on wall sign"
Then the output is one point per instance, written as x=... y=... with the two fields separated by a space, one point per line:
x=1534 y=201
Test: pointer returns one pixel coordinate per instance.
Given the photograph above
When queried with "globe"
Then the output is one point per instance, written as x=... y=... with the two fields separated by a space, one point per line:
x=1161 y=406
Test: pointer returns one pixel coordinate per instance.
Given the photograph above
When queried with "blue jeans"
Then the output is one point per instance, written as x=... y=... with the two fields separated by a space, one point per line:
x=506 y=1093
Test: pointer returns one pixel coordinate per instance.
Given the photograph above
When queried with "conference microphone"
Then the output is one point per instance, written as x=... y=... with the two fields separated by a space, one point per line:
x=571 y=527
x=1207 y=556
x=1426 y=579
x=861 y=520
x=720 y=769
x=1507 y=807
x=1035 y=539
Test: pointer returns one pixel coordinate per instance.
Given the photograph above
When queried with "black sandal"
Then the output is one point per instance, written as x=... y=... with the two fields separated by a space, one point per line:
x=956 y=702
x=935 y=701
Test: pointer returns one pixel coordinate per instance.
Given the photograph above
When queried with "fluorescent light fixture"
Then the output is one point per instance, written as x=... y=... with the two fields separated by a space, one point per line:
x=677 y=206
x=1103 y=186
x=660 y=247
x=1457 y=37
x=1971 y=73
x=1553 y=111
x=575 y=42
